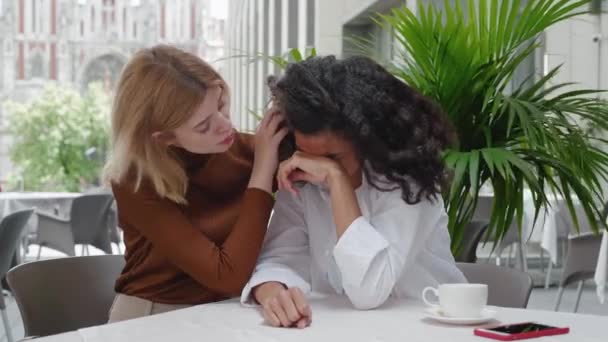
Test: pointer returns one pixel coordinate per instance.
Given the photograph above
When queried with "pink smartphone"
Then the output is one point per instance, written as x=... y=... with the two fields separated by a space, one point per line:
x=519 y=331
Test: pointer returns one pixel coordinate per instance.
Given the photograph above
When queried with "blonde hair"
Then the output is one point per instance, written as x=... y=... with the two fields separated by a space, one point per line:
x=159 y=89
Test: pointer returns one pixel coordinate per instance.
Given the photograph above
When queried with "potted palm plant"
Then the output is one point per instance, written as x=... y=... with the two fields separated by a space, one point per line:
x=511 y=136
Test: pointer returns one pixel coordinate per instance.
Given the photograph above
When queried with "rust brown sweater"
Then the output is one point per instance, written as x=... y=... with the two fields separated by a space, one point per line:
x=201 y=252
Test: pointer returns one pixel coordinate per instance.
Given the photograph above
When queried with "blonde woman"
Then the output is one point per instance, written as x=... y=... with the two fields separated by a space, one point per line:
x=193 y=196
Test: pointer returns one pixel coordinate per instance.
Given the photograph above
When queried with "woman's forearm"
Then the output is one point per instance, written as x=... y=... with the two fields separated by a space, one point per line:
x=343 y=201
x=267 y=290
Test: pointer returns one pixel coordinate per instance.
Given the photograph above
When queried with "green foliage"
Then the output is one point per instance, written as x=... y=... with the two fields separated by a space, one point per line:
x=512 y=136
x=292 y=56
x=52 y=133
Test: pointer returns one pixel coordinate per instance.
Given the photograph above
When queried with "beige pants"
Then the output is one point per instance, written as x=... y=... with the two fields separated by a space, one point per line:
x=129 y=307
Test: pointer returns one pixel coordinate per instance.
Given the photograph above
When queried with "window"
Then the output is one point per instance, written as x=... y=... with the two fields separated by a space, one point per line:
x=292 y=40
x=36 y=66
x=278 y=30
x=92 y=19
x=124 y=21
x=265 y=48
x=34 y=17
x=310 y=23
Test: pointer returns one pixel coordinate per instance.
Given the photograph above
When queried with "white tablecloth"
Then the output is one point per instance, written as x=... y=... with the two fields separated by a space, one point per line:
x=333 y=320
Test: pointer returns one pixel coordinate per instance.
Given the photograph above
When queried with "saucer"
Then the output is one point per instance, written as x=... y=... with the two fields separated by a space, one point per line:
x=438 y=315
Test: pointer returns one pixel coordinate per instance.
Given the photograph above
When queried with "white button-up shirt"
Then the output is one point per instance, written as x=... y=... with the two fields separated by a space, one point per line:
x=393 y=249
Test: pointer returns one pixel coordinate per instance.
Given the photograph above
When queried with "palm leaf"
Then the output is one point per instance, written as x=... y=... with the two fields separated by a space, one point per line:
x=532 y=136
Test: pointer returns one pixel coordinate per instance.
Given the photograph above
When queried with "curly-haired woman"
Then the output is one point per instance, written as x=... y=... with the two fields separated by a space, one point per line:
x=370 y=221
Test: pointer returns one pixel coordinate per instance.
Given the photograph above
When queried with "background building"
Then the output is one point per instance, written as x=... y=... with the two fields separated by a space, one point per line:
x=268 y=27
x=80 y=41
x=273 y=27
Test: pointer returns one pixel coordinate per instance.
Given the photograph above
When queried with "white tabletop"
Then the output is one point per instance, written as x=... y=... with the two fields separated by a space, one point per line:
x=37 y=195
x=51 y=202
x=333 y=320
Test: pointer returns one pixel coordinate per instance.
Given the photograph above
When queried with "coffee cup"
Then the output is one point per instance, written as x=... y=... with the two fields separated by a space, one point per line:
x=458 y=300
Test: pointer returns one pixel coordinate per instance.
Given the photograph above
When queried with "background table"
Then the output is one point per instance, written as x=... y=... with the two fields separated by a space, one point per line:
x=58 y=203
x=333 y=320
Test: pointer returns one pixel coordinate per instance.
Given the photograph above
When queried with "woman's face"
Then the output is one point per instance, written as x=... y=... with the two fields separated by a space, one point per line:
x=209 y=129
x=333 y=146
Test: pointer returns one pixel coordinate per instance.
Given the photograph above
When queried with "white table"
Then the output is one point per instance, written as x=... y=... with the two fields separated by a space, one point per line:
x=333 y=320
x=43 y=201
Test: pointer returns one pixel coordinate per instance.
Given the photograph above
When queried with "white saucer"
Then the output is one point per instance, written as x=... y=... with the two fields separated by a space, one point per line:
x=436 y=314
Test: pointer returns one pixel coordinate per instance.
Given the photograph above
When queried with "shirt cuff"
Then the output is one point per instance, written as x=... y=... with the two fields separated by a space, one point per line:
x=356 y=249
x=281 y=274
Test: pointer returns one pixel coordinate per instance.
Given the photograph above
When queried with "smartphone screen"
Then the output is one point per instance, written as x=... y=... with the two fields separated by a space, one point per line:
x=520 y=328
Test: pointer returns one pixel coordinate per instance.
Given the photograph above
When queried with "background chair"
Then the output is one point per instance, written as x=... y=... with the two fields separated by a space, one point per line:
x=65 y=294
x=470 y=241
x=483 y=213
x=88 y=225
x=115 y=232
x=566 y=229
x=11 y=230
x=580 y=264
x=507 y=287
x=112 y=218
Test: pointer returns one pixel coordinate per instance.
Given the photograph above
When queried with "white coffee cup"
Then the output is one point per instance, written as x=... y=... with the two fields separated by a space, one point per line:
x=459 y=300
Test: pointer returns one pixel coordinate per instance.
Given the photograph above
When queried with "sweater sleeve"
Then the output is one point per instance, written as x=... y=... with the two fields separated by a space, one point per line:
x=222 y=268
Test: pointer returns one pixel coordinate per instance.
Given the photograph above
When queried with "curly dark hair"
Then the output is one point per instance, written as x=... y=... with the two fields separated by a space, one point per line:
x=396 y=131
